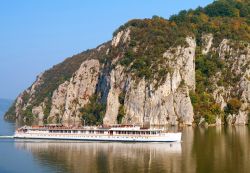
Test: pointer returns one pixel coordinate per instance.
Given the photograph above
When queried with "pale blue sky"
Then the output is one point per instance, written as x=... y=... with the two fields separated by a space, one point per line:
x=35 y=35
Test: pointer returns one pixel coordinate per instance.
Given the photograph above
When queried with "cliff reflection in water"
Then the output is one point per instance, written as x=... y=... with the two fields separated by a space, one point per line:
x=222 y=149
x=105 y=157
x=206 y=150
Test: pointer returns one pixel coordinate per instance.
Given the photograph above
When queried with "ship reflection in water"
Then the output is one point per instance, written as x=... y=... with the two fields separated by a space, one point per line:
x=104 y=157
x=213 y=149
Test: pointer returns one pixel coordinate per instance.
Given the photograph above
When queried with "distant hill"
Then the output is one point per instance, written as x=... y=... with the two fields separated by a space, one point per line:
x=4 y=105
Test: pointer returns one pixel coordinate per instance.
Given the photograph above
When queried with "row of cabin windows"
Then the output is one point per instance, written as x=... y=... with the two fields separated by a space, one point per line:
x=94 y=136
x=137 y=132
x=76 y=131
x=102 y=132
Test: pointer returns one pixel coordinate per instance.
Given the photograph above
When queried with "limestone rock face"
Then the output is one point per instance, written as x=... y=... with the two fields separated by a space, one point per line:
x=21 y=104
x=80 y=88
x=217 y=94
x=122 y=36
x=183 y=107
x=37 y=83
x=207 y=41
x=58 y=103
x=38 y=111
x=160 y=107
x=241 y=118
x=145 y=104
x=218 y=121
x=182 y=63
x=237 y=62
x=116 y=85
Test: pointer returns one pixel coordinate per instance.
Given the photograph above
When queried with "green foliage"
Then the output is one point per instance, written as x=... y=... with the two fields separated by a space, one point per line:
x=128 y=58
x=214 y=111
x=121 y=114
x=121 y=111
x=25 y=97
x=205 y=106
x=93 y=113
x=224 y=18
x=206 y=66
x=233 y=106
x=27 y=113
x=145 y=35
x=210 y=118
x=11 y=113
x=47 y=110
x=121 y=98
x=222 y=8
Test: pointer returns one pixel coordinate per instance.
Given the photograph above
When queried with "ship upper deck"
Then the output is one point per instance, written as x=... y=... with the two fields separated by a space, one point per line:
x=60 y=128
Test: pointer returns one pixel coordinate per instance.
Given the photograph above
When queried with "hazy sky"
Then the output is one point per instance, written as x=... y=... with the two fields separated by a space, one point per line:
x=35 y=35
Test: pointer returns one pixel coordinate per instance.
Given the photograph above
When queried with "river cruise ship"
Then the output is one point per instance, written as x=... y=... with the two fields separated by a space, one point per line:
x=119 y=133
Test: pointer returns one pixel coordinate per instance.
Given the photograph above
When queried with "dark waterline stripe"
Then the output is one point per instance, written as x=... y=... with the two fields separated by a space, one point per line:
x=93 y=140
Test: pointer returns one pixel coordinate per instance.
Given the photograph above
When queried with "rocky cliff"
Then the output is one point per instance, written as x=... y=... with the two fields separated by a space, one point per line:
x=153 y=72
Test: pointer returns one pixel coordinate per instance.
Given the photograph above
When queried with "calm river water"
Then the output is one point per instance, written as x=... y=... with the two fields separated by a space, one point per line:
x=203 y=150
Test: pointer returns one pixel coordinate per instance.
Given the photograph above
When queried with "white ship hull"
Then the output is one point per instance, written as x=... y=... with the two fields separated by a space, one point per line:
x=166 y=137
